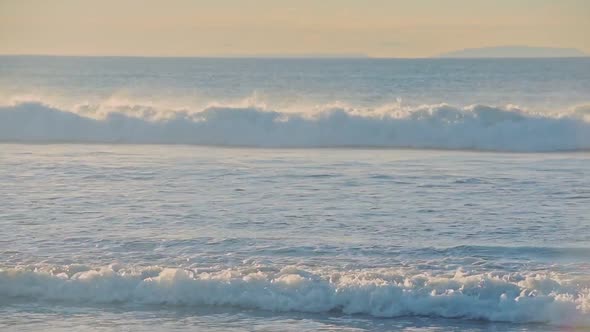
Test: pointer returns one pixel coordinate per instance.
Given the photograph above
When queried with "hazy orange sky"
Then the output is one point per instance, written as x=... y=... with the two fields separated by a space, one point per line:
x=382 y=28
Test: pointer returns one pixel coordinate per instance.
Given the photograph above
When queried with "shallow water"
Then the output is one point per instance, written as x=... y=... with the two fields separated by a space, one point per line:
x=167 y=237
x=152 y=237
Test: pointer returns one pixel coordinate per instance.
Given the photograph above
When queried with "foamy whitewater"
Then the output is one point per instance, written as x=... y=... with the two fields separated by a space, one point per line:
x=442 y=126
x=272 y=194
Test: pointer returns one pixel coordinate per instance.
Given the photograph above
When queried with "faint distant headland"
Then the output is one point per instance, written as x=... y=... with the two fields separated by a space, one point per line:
x=515 y=52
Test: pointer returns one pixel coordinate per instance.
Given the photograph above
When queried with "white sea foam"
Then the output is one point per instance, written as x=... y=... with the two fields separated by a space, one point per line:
x=441 y=126
x=515 y=297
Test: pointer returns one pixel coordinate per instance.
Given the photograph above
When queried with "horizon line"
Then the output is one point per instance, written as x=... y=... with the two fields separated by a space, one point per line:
x=286 y=56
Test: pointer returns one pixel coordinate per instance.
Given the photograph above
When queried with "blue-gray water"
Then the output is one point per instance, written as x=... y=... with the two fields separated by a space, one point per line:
x=501 y=104
x=355 y=235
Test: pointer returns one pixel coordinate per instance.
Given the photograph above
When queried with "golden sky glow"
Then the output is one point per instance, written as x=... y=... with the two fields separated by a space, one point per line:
x=383 y=28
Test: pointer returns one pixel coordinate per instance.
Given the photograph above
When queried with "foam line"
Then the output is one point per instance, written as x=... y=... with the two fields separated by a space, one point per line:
x=514 y=297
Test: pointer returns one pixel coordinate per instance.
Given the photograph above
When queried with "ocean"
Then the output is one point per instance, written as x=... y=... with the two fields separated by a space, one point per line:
x=163 y=194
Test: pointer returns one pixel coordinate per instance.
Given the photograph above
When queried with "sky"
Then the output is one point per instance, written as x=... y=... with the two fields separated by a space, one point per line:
x=377 y=28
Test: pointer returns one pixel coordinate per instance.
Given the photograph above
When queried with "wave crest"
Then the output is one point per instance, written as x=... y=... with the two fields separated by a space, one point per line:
x=515 y=297
x=440 y=126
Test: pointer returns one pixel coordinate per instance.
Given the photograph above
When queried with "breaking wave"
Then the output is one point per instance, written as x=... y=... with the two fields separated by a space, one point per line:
x=440 y=126
x=513 y=297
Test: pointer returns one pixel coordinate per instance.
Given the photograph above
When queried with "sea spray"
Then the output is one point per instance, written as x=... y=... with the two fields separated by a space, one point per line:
x=440 y=126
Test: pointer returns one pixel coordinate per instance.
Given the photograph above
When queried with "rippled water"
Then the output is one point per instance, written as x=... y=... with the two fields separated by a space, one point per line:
x=151 y=237
x=168 y=237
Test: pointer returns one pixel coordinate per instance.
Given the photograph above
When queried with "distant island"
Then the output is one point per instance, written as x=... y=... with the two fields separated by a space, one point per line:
x=515 y=52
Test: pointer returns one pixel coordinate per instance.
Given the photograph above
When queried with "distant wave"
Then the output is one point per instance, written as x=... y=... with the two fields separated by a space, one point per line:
x=513 y=297
x=440 y=126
